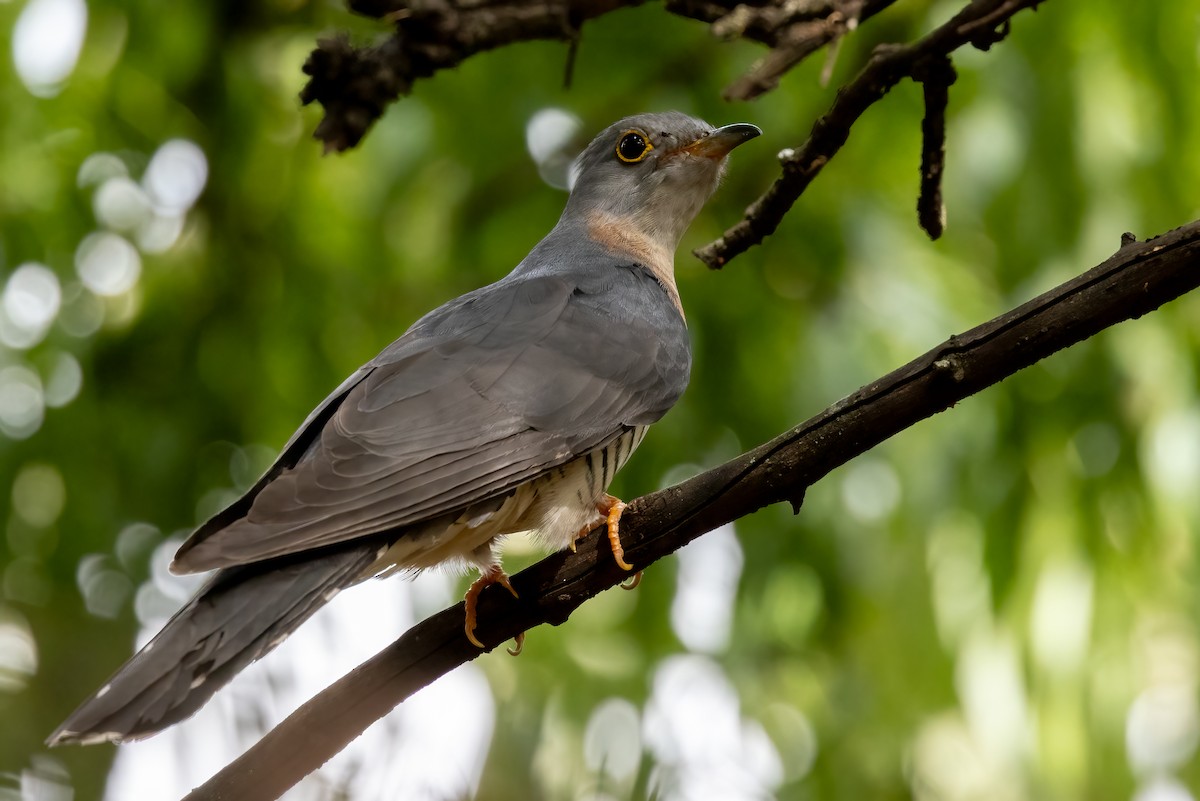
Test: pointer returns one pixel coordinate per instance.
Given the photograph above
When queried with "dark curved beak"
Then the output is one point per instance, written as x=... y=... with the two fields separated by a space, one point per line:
x=717 y=144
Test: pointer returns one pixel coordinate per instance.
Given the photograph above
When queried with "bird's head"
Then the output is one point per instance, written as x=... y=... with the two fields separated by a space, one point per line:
x=651 y=174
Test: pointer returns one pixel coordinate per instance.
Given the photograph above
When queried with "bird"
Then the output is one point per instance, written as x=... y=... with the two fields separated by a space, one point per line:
x=505 y=410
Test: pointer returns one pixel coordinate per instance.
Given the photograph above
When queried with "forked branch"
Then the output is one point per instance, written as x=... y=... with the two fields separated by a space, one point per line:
x=981 y=23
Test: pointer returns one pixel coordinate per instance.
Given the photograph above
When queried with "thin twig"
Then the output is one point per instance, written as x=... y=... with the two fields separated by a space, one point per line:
x=794 y=42
x=935 y=79
x=1137 y=279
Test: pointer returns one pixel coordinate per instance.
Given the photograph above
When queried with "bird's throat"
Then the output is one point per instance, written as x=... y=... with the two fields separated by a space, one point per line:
x=623 y=237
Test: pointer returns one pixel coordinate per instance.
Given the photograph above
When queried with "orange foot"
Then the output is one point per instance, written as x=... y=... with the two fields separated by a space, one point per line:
x=612 y=507
x=493 y=575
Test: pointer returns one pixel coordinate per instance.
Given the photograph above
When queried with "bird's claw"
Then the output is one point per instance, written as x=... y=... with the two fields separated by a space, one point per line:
x=493 y=575
x=612 y=509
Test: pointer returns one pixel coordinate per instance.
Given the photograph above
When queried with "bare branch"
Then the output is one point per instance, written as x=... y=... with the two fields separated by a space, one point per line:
x=1137 y=279
x=356 y=84
x=981 y=23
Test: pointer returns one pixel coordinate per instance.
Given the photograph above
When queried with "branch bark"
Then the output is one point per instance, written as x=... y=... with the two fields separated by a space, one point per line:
x=1137 y=279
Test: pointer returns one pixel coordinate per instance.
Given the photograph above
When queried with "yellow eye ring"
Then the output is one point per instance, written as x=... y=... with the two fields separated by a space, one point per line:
x=633 y=146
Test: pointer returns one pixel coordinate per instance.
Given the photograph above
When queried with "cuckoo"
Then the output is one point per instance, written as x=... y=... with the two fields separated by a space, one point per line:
x=506 y=410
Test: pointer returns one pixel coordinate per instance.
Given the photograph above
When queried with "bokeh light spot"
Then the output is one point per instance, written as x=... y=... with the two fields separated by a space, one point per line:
x=612 y=741
x=31 y=300
x=18 y=651
x=98 y=168
x=64 y=379
x=107 y=264
x=1170 y=455
x=47 y=39
x=121 y=204
x=104 y=589
x=702 y=610
x=1163 y=728
x=21 y=404
x=159 y=232
x=135 y=543
x=550 y=137
x=1062 y=615
x=703 y=746
x=870 y=490
x=176 y=175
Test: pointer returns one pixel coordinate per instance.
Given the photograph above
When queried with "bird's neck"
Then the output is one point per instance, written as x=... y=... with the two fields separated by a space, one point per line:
x=624 y=238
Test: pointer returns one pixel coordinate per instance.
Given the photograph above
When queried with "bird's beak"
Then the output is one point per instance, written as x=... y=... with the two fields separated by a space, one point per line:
x=718 y=143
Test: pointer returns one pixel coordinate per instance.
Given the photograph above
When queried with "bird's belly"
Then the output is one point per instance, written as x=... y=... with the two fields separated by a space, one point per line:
x=567 y=498
x=553 y=507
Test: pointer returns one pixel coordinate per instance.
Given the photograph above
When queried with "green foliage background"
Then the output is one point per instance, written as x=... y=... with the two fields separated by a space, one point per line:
x=973 y=610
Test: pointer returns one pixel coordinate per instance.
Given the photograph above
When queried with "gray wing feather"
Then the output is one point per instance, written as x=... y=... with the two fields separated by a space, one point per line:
x=477 y=398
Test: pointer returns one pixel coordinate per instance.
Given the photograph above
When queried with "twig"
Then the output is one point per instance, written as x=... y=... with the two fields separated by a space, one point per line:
x=935 y=79
x=1137 y=279
x=793 y=41
x=981 y=23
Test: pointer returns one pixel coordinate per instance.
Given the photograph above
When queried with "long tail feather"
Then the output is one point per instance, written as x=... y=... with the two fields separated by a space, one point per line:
x=240 y=615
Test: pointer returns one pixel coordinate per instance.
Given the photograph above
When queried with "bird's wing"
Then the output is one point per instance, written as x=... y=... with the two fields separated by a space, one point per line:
x=477 y=398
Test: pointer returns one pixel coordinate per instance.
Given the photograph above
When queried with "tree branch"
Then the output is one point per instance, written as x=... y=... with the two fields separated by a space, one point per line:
x=356 y=84
x=982 y=23
x=1137 y=279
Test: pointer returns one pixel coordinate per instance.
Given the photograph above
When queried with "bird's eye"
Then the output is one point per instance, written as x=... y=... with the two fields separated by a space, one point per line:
x=633 y=146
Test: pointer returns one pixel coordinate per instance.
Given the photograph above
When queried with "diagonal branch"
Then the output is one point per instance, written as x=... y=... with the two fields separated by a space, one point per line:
x=1136 y=280
x=982 y=23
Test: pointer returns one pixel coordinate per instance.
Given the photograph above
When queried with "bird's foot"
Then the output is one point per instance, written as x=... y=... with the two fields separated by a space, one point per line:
x=612 y=507
x=633 y=583
x=493 y=575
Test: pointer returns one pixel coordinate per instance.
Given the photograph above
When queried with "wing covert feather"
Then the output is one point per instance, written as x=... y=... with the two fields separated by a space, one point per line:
x=475 y=399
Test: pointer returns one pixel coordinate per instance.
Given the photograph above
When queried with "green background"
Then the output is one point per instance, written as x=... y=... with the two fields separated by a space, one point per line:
x=1000 y=603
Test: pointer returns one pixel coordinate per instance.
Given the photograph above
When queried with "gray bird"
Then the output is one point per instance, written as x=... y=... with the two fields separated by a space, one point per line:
x=508 y=409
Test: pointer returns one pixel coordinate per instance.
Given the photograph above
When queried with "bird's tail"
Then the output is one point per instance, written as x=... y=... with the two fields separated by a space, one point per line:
x=241 y=614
